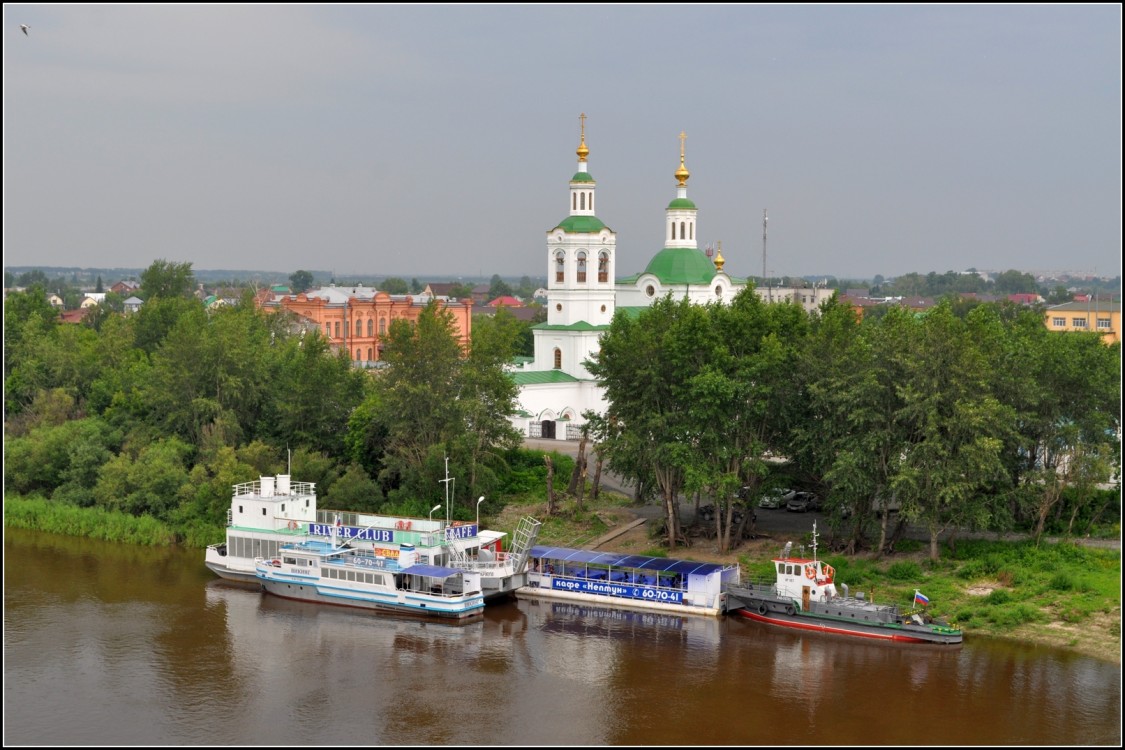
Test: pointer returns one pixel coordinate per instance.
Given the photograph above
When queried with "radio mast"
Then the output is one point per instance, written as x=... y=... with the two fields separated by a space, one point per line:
x=765 y=273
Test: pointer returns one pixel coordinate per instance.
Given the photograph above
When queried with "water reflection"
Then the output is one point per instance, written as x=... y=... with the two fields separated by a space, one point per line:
x=110 y=644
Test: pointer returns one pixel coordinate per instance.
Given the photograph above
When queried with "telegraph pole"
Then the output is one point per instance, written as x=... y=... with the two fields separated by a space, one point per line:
x=765 y=276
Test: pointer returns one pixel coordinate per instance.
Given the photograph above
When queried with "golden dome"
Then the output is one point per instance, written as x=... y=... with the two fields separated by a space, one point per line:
x=682 y=174
x=719 y=258
x=582 y=150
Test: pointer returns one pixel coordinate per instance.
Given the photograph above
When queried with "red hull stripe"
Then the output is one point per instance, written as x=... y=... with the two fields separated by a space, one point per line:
x=829 y=629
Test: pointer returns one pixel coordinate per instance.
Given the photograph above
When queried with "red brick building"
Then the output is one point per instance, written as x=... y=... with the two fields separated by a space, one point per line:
x=357 y=319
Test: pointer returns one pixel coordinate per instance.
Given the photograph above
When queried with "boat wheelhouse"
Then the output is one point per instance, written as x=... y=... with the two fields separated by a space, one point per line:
x=621 y=580
x=325 y=573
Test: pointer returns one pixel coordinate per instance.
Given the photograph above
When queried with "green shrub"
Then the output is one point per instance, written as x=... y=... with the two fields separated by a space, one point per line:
x=905 y=570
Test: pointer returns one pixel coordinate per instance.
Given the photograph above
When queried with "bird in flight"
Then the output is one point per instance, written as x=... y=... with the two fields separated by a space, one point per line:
x=25 y=27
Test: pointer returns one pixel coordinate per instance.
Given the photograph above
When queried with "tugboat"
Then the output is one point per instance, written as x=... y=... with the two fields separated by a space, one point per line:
x=804 y=596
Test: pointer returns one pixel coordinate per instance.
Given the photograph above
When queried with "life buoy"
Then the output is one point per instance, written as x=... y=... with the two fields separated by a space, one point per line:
x=762 y=609
x=275 y=563
x=829 y=571
x=810 y=571
x=406 y=525
x=292 y=525
x=398 y=525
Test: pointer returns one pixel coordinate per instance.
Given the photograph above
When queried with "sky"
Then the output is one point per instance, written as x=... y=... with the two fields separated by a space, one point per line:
x=439 y=140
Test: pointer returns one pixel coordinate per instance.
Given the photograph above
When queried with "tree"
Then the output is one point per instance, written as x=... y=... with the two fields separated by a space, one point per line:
x=498 y=287
x=416 y=287
x=98 y=286
x=167 y=279
x=300 y=281
x=394 y=285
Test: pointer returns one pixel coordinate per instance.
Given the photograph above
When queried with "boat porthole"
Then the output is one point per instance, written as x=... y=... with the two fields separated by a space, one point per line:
x=761 y=609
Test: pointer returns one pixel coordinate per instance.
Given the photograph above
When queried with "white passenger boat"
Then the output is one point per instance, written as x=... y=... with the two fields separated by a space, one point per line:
x=271 y=512
x=637 y=581
x=326 y=573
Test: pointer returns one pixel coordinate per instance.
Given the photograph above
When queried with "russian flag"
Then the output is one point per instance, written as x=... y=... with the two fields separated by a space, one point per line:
x=921 y=598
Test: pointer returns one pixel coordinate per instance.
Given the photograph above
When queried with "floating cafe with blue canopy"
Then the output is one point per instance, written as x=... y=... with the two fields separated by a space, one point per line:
x=655 y=582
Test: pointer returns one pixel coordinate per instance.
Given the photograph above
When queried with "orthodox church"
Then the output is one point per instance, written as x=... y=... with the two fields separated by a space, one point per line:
x=583 y=294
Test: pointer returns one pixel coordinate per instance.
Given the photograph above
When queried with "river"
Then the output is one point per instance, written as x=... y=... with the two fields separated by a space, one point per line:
x=108 y=644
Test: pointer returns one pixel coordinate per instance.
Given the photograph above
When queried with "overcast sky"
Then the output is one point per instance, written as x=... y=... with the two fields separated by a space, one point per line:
x=439 y=140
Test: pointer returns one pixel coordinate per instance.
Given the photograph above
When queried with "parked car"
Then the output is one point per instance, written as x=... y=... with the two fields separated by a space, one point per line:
x=776 y=498
x=802 y=502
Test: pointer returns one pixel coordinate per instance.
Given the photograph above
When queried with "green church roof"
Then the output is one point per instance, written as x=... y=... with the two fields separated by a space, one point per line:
x=681 y=203
x=581 y=224
x=539 y=377
x=681 y=265
x=581 y=325
x=582 y=177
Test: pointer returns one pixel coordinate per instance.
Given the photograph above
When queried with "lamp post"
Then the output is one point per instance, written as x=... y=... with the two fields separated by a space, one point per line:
x=481 y=500
x=436 y=507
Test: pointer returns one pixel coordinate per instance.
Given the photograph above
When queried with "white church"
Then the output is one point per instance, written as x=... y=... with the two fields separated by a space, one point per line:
x=583 y=294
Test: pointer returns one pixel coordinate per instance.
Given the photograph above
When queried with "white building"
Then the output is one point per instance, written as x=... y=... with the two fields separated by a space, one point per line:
x=583 y=294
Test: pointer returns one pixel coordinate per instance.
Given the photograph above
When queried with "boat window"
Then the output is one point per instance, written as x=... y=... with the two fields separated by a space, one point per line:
x=283 y=507
x=290 y=561
x=263 y=511
x=781 y=567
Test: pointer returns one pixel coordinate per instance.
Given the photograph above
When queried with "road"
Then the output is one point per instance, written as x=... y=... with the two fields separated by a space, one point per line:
x=780 y=523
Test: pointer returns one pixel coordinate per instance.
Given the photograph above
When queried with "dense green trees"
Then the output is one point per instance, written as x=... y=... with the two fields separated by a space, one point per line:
x=978 y=420
x=161 y=412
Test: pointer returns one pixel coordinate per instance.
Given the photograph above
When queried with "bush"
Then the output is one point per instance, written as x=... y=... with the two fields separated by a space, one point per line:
x=905 y=570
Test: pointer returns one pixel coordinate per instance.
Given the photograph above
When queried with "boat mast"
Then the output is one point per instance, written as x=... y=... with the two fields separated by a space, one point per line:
x=814 y=542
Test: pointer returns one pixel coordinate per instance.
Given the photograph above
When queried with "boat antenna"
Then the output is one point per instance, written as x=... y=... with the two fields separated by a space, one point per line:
x=289 y=452
x=814 y=541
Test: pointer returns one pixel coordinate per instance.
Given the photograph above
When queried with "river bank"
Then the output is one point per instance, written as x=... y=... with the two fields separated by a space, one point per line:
x=1060 y=595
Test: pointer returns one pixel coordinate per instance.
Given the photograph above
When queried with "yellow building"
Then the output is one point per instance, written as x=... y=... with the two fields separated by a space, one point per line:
x=1103 y=317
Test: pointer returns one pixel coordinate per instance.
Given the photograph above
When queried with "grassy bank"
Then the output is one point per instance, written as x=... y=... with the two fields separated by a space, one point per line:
x=1058 y=594
x=37 y=513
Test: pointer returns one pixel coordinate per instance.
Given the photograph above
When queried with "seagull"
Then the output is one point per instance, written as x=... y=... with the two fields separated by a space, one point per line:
x=25 y=27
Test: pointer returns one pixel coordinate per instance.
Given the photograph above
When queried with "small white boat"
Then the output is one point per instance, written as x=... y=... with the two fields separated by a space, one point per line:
x=322 y=572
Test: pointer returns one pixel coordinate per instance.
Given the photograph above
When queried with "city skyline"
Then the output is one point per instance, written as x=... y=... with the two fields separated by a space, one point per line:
x=374 y=140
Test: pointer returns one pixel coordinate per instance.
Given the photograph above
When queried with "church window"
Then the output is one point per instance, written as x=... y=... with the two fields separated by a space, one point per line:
x=560 y=266
x=591 y=201
x=573 y=201
x=603 y=266
x=673 y=230
x=582 y=266
x=682 y=235
x=649 y=290
x=370 y=328
x=558 y=307
x=603 y=308
x=718 y=291
x=691 y=231
x=558 y=359
x=582 y=201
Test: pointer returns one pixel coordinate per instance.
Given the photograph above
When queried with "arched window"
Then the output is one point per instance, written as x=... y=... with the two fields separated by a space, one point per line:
x=582 y=266
x=591 y=201
x=691 y=231
x=682 y=235
x=370 y=351
x=370 y=328
x=558 y=359
x=603 y=266
x=560 y=266
x=382 y=326
x=673 y=230
x=573 y=201
x=358 y=328
x=582 y=201
x=358 y=355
